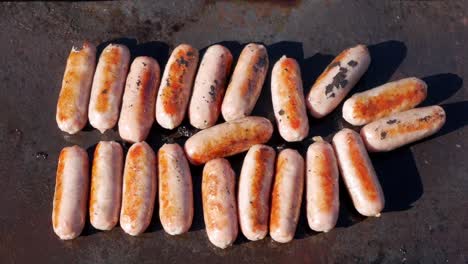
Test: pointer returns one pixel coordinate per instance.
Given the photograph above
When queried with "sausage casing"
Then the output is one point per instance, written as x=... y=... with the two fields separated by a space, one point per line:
x=71 y=192
x=358 y=173
x=322 y=193
x=382 y=101
x=176 y=85
x=403 y=128
x=254 y=191
x=288 y=100
x=286 y=197
x=72 y=105
x=139 y=189
x=108 y=85
x=246 y=82
x=209 y=87
x=337 y=80
x=175 y=190
x=137 y=114
x=219 y=202
x=227 y=139
x=106 y=185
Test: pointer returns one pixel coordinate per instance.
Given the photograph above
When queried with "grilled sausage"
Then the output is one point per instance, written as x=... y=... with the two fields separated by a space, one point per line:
x=246 y=82
x=139 y=189
x=71 y=190
x=106 y=185
x=322 y=195
x=286 y=197
x=382 y=101
x=337 y=80
x=403 y=128
x=210 y=84
x=107 y=89
x=288 y=100
x=137 y=114
x=219 y=202
x=72 y=105
x=175 y=190
x=227 y=139
x=358 y=173
x=254 y=191
x=176 y=85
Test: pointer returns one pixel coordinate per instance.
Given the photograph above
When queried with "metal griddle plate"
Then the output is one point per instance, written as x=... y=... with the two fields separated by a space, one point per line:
x=425 y=184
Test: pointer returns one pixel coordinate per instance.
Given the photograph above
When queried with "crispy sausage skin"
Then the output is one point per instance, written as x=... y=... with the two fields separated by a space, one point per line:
x=209 y=87
x=382 y=101
x=403 y=128
x=176 y=86
x=337 y=80
x=219 y=202
x=322 y=193
x=246 y=82
x=254 y=191
x=71 y=191
x=286 y=197
x=139 y=189
x=227 y=139
x=72 y=105
x=175 y=190
x=137 y=114
x=108 y=85
x=288 y=100
x=106 y=185
x=358 y=173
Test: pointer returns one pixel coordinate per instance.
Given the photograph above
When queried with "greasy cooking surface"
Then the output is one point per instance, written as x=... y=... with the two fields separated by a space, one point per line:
x=425 y=185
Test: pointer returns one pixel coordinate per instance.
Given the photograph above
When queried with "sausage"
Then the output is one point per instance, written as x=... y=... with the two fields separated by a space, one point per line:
x=286 y=197
x=106 y=185
x=139 y=189
x=175 y=190
x=176 y=85
x=358 y=173
x=108 y=85
x=219 y=202
x=137 y=114
x=246 y=82
x=209 y=87
x=288 y=100
x=227 y=139
x=403 y=128
x=382 y=101
x=71 y=190
x=72 y=105
x=254 y=191
x=337 y=80
x=322 y=194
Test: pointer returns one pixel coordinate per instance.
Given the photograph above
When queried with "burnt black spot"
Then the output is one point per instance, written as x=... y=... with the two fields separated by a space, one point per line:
x=190 y=53
x=425 y=119
x=262 y=61
x=286 y=69
x=41 y=155
x=383 y=135
x=212 y=93
x=105 y=91
x=168 y=83
x=392 y=121
x=332 y=95
x=281 y=112
x=343 y=83
x=144 y=64
x=182 y=61
x=353 y=63
x=343 y=70
x=216 y=81
x=138 y=82
x=339 y=81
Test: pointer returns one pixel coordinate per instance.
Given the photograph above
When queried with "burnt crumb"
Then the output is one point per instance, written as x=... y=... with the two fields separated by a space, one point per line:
x=212 y=93
x=425 y=119
x=168 y=83
x=105 y=91
x=182 y=61
x=353 y=63
x=281 y=112
x=393 y=121
x=383 y=135
x=130 y=105
x=286 y=70
x=144 y=64
x=41 y=155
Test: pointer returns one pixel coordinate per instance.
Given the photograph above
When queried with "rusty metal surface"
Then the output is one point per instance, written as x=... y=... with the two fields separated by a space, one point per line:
x=425 y=184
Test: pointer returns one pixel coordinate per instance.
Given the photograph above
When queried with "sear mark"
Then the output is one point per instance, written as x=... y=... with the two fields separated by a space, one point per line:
x=281 y=112
x=339 y=81
x=212 y=93
x=352 y=63
x=383 y=135
x=393 y=121
x=182 y=61
x=425 y=119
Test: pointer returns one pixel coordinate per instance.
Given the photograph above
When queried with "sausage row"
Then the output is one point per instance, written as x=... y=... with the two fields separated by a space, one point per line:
x=269 y=192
